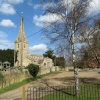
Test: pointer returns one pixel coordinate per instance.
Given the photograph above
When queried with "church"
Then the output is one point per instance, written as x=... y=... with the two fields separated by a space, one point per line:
x=21 y=55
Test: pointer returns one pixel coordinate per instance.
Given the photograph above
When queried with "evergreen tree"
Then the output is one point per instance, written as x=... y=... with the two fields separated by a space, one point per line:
x=58 y=61
x=7 y=55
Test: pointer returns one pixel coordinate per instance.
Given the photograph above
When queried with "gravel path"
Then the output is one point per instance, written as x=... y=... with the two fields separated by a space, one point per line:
x=63 y=78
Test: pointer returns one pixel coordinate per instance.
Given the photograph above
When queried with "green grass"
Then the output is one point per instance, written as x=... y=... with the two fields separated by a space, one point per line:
x=87 y=92
x=23 y=82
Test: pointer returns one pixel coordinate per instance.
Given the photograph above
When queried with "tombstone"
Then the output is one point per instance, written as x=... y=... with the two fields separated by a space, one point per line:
x=6 y=65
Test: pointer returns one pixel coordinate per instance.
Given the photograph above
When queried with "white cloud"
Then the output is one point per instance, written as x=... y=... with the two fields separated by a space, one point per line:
x=15 y=1
x=44 y=5
x=6 y=8
x=92 y=10
x=35 y=6
x=2 y=35
x=7 y=23
x=39 y=47
x=94 y=7
x=48 y=18
x=4 y=42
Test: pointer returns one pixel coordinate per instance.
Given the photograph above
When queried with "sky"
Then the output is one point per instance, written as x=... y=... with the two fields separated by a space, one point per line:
x=11 y=12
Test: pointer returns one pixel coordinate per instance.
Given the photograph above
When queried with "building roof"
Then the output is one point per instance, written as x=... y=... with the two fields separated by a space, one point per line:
x=40 y=61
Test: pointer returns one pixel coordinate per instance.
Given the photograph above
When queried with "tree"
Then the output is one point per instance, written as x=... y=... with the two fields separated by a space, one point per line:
x=96 y=42
x=58 y=61
x=72 y=21
x=49 y=54
x=33 y=69
x=91 y=39
x=7 y=55
x=91 y=49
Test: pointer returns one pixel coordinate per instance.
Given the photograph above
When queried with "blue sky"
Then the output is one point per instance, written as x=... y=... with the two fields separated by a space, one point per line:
x=11 y=12
x=10 y=16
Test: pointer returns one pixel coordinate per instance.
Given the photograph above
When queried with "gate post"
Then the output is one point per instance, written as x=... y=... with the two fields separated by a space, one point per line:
x=23 y=93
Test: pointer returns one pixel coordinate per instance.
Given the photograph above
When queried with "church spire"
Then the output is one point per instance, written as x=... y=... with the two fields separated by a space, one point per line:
x=21 y=35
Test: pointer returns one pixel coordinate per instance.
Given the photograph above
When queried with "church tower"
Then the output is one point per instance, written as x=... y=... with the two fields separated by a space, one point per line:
x=21 y=47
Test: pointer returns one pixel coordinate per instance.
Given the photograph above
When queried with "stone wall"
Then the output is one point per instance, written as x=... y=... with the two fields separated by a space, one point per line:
x=16 y=75
x=12 y=76
x=45 y=70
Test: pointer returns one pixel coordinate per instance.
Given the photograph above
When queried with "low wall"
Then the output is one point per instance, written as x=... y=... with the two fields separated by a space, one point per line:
x=13 y=76
x=16 y=75
x=45 y=70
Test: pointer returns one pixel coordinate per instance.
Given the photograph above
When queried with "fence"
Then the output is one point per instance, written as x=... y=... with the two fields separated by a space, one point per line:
x=87 y=92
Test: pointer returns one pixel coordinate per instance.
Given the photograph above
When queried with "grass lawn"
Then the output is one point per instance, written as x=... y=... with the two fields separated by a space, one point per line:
x=23 y=82
x=87 y=92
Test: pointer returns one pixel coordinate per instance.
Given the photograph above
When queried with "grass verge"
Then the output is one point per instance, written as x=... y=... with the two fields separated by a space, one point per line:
x=23 y=82
x=87 y=92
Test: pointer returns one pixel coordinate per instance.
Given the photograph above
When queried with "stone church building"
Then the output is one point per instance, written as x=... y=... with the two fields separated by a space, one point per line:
x=21 y=55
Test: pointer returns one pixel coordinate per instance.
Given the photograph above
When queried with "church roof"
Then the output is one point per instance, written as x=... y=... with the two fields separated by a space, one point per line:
x=21 y=35
x=41 y=61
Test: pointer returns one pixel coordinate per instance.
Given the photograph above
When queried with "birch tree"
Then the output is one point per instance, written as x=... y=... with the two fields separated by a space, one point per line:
x=71 y=21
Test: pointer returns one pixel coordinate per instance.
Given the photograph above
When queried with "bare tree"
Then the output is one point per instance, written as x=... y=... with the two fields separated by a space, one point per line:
x=91 y=40
x=72 y=21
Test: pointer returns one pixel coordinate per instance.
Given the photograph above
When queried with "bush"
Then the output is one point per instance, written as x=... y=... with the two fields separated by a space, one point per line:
x=33 y=69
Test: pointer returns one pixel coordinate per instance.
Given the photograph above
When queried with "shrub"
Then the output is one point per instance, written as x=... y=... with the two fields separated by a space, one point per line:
x=33 y=69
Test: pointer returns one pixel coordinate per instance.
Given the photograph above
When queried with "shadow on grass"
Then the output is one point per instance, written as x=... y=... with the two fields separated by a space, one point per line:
x=81 y=80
